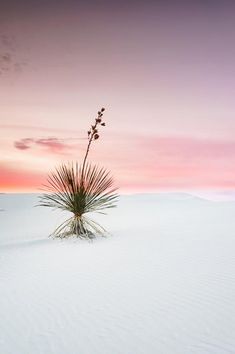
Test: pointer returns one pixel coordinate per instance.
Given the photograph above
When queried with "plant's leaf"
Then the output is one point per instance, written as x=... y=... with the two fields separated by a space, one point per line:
x=79 y=192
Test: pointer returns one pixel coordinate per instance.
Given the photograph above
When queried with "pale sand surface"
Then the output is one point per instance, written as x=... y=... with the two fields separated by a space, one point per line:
x=163 y=283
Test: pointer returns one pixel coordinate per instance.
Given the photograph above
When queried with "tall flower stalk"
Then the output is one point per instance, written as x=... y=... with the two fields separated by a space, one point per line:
x=81 y=189
x=93 y=135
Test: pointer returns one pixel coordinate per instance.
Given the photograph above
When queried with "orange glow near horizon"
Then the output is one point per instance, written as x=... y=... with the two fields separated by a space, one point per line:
x=15 y=180
x=163 y=164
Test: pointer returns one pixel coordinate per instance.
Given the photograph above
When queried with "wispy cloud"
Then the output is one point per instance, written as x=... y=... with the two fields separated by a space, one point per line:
x=23 y=144
x=53 y=145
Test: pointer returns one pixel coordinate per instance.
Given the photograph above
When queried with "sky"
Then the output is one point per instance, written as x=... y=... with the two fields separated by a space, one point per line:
x=164 y=71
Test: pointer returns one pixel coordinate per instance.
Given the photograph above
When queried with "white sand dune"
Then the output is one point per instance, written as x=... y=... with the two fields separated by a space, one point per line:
x=163 y=283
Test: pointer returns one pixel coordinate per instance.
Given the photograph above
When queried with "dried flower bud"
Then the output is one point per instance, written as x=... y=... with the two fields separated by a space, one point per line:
x=99 y=113
x=102 y=109
x=103 y=124
x=96 y=136
x=95 y=131
x=89 y=132
x=98 y=120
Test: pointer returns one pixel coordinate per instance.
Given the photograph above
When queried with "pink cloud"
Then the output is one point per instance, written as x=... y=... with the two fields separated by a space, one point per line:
x=23 y=144
x=53 y=145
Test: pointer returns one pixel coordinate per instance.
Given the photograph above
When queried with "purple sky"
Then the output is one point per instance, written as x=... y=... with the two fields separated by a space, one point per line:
x=164 y=70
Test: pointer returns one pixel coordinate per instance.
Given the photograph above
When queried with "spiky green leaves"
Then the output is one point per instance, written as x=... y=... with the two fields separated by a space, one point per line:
x=79 y=190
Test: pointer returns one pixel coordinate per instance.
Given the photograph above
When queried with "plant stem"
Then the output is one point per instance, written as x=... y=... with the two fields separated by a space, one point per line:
x=93 y=131
x=87 y=151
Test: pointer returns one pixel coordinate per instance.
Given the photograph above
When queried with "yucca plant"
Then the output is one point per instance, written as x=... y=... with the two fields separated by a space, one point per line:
x=80 y=189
